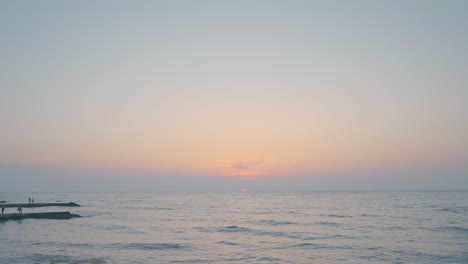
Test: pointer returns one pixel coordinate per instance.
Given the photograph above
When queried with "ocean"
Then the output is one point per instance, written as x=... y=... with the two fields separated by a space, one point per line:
x=308 y=227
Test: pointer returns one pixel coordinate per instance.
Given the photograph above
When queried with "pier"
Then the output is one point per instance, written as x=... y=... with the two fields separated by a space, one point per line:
x=30 y=205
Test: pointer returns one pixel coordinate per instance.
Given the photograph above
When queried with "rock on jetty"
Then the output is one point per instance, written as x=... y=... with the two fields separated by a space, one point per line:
x=47 y=215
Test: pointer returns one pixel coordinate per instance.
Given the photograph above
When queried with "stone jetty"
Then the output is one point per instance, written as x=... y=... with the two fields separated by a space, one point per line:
x=30 y=205
x=46 y=215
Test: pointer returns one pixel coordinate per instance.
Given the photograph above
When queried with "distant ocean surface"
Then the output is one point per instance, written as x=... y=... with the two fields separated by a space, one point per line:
x=316 y=227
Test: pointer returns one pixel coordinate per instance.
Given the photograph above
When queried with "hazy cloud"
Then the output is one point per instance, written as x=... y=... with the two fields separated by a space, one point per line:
x=245 y=165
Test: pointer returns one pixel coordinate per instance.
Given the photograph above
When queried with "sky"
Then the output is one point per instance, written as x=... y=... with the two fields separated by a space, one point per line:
x=224 y=95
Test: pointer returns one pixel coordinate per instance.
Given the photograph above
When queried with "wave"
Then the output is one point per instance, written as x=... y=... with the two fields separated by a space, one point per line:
x=119 y=246
x=116 y=228
x=269 y=233
x=239 y=259
x=337 y=216
x=234 y=228
x=156 y=208
x=240 y=229
x=431 y=257
x=63 y=245
x=394 y=228
x=310 y=238
x=43 y=258
x=374 y=248
x=367 y=215
x=455 y=210
x=147 y=246
x=328 y=223
x=228 y=243
x=275 y=223
x=313 y=245
x=457 y=229
x=268 y=259
x=318 y=246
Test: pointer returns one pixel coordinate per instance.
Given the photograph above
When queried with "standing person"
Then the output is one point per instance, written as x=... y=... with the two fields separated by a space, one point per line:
x=20 y=210
x=32 y=200
x=29 y=200
x=3 y=208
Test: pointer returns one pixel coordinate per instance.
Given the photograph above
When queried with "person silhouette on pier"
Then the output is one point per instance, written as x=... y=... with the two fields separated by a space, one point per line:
x=3 y=209
x=20 y=210
x=29 y=200
x=32 y=200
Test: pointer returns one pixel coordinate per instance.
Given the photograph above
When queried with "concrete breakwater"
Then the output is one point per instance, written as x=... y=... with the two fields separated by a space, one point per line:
x=46 y=215
x=31 y=205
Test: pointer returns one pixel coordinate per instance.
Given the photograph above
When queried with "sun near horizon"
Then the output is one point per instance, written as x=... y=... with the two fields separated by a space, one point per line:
x=248 y=91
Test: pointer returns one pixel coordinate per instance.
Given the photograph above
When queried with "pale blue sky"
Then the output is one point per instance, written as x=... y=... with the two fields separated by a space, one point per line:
x=159 y=85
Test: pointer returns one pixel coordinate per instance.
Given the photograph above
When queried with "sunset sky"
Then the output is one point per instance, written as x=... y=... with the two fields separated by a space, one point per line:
x=231 y=94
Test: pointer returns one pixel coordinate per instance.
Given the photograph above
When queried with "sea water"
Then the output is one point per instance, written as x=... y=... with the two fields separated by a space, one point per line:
x=316 y=227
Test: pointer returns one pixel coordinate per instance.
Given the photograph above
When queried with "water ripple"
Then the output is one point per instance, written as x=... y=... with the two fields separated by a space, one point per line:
x=275 y=223
x=234 y=228
x=147 y=246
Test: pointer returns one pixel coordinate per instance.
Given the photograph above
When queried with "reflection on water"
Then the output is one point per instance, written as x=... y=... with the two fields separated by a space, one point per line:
x=322 y=227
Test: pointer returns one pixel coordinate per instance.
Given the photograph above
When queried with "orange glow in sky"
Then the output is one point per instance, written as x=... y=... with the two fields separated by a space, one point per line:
x=280 y=93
